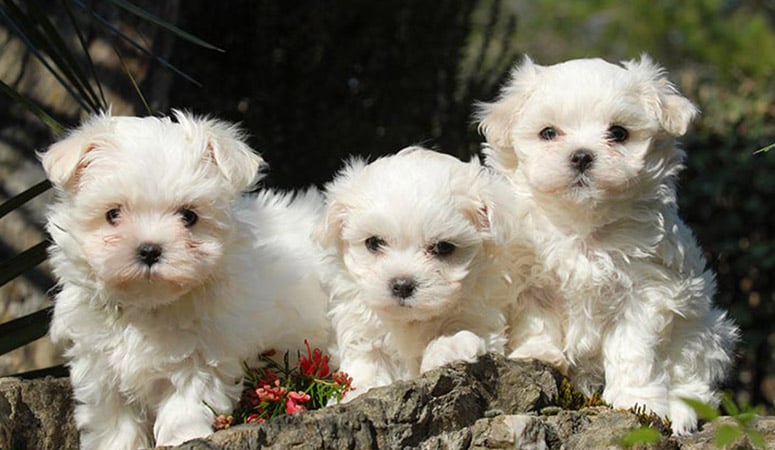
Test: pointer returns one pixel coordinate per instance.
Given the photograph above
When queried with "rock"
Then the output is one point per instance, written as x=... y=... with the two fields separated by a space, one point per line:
x=492 y=404
x=703 y=439
x=36 y=414
x=435 y=411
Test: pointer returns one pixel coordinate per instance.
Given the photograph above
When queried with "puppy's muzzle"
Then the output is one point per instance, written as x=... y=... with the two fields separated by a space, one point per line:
x=582 y=160
x=402 y=288
x=149 y=253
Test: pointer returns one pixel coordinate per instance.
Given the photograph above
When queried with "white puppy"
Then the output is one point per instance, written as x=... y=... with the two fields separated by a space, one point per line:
x=590 y=149
x=169 y=280
x=416 y=281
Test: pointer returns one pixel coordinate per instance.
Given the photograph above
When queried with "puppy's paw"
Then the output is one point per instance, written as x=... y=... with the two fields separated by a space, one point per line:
x=652 y=397
x=546 y=353
x=182 y=432
x=683 y=418
x=463 y=346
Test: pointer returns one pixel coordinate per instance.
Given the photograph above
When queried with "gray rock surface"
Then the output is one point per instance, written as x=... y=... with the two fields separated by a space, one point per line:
x=492 y=404
x=36 y=414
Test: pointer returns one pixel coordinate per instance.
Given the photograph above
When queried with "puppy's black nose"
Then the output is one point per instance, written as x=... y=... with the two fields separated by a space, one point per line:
x=402 y=287
x=148 y=253
x=582 y=159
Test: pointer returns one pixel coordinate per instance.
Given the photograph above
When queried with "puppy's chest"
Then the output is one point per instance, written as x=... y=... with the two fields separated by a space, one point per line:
x=140 y=349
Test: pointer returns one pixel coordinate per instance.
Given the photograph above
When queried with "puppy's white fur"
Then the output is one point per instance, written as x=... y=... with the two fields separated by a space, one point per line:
x=632 y=305
x=413 y=203
x=152 y=347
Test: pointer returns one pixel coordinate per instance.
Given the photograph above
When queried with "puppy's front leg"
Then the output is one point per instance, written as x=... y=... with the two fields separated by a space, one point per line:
x=462 y=346
x=368 y=370
x=633 y=373
x=104 y=417
x=535 y=332
x=185 y=413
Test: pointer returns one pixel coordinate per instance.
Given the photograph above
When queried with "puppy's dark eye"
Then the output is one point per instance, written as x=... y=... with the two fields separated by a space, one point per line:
x=374 y=243
x=112 y=215
x=189 y=217
x=617 y=134
x=548 y=134
x=442 y=248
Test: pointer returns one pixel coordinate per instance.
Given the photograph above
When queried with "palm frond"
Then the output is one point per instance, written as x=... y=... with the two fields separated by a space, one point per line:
x=110 y=27
x=19 y=200
x=134 y=9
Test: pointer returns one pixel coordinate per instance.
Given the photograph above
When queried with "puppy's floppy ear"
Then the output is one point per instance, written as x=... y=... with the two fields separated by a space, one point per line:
x=226 y=148
x=329 y=231
x=497 y=118
x=64 y=161
x=491 y=203
x=673 y=110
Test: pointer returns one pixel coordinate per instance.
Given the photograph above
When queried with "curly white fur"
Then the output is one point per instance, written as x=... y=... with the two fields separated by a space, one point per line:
x=393 y=220
x=589 y=147
x=155 y=341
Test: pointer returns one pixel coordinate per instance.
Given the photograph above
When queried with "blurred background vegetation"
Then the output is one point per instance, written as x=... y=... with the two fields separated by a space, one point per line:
x=315 y=81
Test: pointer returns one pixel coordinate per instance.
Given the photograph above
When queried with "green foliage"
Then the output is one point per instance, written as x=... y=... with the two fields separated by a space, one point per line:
x=765 y=149
x=743 y=417
x=642 y=435
x=568 y=397
x=651 y=420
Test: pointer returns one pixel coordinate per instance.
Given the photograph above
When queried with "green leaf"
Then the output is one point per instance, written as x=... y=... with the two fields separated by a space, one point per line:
x=703 y=410
x=22 y=331
x=726 y=435
x=642 y=435
x=59 y=51
x=85 y=49
x=33 y=107
x=20 y=199
x=54 y=371
x=729 y=404
x=136 y=10
x=765 y=149
x=23 y=25
x=17 y=265
x=105 y=23
x=131 y=77
x=746 y=417
x=755 y=438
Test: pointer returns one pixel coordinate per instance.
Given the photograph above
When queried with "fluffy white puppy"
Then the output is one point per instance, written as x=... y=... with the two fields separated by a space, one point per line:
x=590 y=149
x=168 y=278
x=415 y=277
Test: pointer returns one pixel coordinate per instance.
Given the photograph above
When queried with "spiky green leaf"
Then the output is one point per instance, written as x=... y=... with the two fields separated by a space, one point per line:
x=642 y=435
x=726 y=435
x=703 y=410
x=136 y=10
x=22 y=331
x=19 y=200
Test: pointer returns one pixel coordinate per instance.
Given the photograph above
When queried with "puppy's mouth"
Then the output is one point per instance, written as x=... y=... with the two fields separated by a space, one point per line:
x=581 y=181
x=145 y=276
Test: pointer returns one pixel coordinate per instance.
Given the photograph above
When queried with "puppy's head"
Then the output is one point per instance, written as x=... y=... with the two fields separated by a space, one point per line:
x=144 y=208
x=413 y=230
x=584 y=130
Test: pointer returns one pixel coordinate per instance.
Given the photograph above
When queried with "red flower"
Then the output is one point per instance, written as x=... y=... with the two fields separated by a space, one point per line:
x=270 y=393
x=314 y=364
x=254 y=418
x=222 y=422
x=250 y=398
x=268 y=377
x=293 y=400
x=301 y=397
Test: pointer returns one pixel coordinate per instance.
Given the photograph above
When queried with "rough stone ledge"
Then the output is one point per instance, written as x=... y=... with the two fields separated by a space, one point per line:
x=492 y=404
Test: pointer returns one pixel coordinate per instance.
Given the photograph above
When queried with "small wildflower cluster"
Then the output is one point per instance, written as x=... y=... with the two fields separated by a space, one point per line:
x=276 y=389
